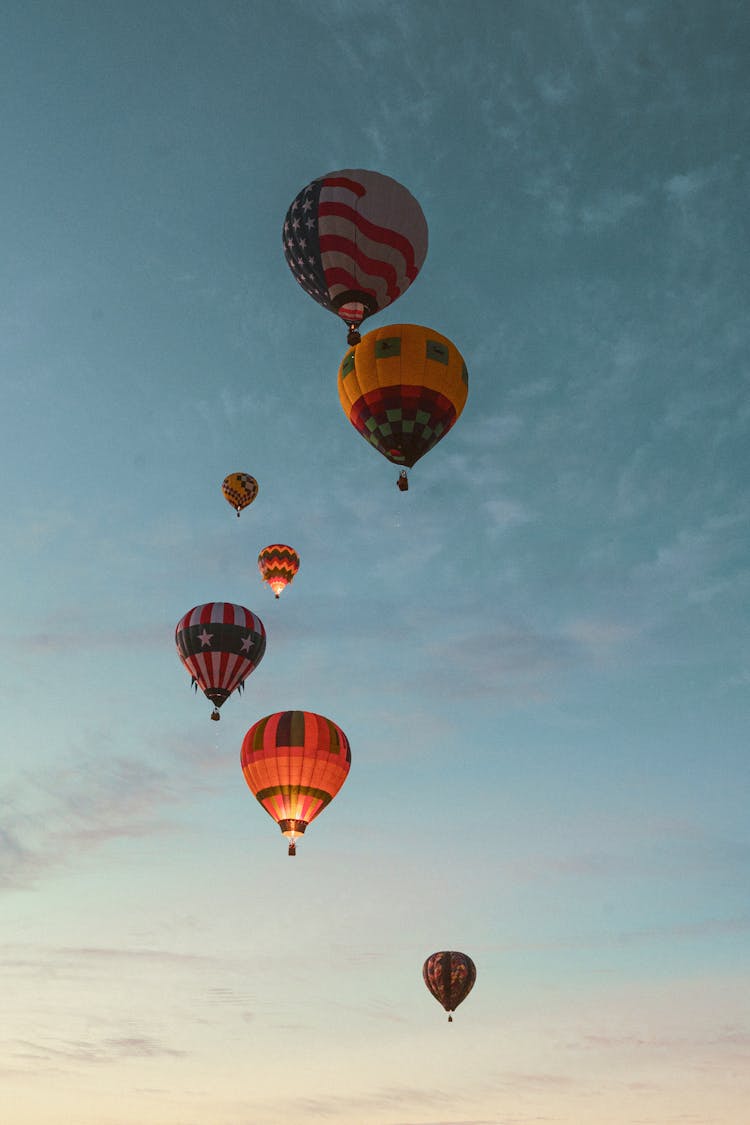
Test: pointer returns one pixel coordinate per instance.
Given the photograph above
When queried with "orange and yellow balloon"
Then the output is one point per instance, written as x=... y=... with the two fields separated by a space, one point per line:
x=240 y=489
x=403 y=387
x=278 y=565
x=295 y=762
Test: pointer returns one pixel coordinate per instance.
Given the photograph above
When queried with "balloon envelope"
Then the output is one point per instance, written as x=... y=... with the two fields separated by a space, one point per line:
x=403 y=387
x=450 y=977
x=240 y=489
x=355 y=240
x=278 y=565
x=295 y=762
x=220 y=644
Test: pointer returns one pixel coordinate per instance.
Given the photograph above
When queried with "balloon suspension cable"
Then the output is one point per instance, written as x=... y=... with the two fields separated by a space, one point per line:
x=353 y=336
x=215 y=715
x=292 y=847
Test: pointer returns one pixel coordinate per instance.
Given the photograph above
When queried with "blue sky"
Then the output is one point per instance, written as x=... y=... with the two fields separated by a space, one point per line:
x=540 y=653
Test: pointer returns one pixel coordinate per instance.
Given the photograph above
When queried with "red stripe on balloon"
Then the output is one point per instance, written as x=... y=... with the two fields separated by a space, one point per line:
x=375 y=233
x=334 y=243
x=342 y=182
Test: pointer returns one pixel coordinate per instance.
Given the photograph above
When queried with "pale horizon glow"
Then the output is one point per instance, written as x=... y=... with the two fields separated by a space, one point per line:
x=539 y=653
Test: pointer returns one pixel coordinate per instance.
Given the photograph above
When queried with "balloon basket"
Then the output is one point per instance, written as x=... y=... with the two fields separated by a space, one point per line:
x=215 y=715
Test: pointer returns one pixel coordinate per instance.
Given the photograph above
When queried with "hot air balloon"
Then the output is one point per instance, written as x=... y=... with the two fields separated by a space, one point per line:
x=402 y=388
x=240 y=489
x=295 y=762
x=450 y=978
x=220 y=644
x=278 y=565
x=355 y=240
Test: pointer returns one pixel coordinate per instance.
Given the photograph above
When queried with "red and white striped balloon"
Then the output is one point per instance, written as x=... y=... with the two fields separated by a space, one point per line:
x=220 y=644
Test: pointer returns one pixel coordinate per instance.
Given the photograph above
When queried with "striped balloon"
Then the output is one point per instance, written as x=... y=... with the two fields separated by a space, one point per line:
x=355 y=240
x=450 y=977
x=295 y=762
x=220 y=644
x=278 y=565
x=403 y=388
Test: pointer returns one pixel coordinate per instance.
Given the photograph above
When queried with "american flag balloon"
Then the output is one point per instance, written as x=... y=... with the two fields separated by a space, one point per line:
x=355 y=240
x=220 y=644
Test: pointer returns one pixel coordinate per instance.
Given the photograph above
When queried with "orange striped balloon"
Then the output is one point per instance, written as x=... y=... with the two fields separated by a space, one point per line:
x=295 y=762
x=278 y=565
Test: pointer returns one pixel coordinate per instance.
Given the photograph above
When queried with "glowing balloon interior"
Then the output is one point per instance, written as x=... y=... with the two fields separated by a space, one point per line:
x=295 y=762
x=278 y=565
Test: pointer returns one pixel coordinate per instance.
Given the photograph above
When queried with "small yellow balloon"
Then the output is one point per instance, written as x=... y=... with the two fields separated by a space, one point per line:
x=240 y=489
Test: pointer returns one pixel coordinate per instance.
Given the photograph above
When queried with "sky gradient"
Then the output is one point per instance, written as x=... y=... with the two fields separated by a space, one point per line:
x=540 y=653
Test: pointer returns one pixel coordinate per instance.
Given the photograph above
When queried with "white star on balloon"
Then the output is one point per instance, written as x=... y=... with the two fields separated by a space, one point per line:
x=205 y=638
x=247 y=642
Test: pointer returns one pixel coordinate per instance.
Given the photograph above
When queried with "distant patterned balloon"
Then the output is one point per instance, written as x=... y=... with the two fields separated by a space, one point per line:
x=278 y=565
x=240 y=489
x=355 y=240
x=450 y=978
x=220 y=644
x=403 y=388
x=295 y=762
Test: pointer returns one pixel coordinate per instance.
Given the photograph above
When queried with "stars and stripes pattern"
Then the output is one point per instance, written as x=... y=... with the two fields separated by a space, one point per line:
x=220 y=644
x=355 y=240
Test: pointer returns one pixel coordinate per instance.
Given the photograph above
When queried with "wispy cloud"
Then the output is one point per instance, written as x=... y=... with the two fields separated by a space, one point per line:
x=601 y=637
x=556 y=88
x=685 y=186
x=50 y=821
x=689 y=562
x=510 y=662
x=88 y=1051
x=609 y=208
x=68 y=632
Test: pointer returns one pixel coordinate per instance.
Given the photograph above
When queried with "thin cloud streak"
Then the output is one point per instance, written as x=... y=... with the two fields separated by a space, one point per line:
x=50 y=823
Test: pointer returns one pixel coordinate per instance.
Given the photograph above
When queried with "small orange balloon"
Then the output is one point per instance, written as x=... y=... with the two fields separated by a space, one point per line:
x=278 y=565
